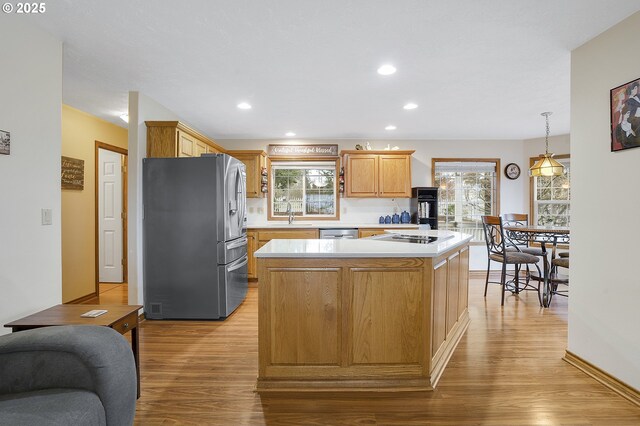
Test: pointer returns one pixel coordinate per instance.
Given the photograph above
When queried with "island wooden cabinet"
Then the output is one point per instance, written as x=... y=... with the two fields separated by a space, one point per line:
x=346 y=323
x=254 y=162
x=450 y=302
x=377 y=174
x=176 y=139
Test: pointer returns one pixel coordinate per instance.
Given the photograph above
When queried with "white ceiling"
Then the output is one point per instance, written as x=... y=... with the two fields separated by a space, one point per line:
x=478 y=69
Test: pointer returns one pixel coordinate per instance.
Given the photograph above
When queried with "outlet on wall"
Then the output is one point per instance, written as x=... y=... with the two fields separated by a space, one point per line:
x=344 y=210
x=260 y=210
x=47 y=216
x=250 y=209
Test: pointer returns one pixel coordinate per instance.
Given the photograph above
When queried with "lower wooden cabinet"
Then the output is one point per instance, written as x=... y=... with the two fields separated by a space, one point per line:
x=370 y=232
x=251 y=248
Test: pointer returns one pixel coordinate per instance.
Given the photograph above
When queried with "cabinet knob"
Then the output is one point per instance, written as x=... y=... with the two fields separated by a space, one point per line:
x=125 y=325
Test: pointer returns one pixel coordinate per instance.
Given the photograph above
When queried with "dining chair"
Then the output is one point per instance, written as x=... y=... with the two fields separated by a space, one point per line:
x=555 y=278
x=519 y=219
x=558 y=278
x=497 y=252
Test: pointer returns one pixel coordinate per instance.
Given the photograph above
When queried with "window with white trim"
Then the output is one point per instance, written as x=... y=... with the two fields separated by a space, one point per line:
x=467 y=190
x=552 y=198
x=308 y=187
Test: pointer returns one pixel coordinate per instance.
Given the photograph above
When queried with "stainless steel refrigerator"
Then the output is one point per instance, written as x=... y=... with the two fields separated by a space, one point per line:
x=195 y=242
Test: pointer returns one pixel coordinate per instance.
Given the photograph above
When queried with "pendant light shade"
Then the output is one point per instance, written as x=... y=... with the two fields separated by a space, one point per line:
x=546 y=165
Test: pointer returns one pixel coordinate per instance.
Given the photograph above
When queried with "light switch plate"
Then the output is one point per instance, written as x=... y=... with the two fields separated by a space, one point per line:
x=47 y=217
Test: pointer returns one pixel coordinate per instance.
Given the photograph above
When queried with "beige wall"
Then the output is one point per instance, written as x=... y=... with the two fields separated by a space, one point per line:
x=603 y=307
x=79 y=133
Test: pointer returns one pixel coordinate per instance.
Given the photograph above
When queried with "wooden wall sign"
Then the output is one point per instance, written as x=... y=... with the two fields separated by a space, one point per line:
x=72 y=173
x=322 y=150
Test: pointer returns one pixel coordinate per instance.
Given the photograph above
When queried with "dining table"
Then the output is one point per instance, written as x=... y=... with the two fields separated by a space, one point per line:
x=547 y=237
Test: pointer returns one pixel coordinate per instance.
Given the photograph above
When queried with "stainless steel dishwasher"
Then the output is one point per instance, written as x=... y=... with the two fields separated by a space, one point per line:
x=339 y=233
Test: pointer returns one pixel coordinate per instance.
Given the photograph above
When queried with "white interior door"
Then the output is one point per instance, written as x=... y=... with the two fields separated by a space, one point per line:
x=110 y=216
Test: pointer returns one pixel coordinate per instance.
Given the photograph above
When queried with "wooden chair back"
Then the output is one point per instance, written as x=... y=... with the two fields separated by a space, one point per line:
x=494 y=234
x=516 y=219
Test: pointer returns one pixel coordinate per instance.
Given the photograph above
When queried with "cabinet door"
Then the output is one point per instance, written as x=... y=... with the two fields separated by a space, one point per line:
x=186 y=145
x=362 y=176
x=370 y=232
x=463 y=282
x=251 y=247
x=363 y=233
x=252 y=164
x=394 y=176
x=201 y=148
x=439 y=309
x=453 y=291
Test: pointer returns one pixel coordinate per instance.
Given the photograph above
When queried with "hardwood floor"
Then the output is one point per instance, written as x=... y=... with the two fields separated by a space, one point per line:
x=110 y=294
x=507 y=370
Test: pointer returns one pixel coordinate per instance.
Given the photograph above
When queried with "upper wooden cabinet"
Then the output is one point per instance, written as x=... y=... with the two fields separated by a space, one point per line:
x=254 y=162
x=176 y=139
x=377 y=174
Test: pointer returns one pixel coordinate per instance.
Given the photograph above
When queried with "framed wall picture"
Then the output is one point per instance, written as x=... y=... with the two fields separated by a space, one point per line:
x=625 y=116
x=5 y=142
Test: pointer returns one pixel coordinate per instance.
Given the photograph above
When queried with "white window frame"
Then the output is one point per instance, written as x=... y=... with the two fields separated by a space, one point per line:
x=304 y=165
x=467 y=165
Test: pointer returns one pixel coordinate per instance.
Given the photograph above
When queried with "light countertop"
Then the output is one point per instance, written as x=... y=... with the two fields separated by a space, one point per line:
x=364 y=247
x=328 y=224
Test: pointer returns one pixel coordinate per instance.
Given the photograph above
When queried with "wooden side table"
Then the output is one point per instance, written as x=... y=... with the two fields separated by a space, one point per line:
x=122 y=318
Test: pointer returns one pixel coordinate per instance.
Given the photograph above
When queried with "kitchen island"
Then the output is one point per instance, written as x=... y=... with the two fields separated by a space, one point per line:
x=366 y=314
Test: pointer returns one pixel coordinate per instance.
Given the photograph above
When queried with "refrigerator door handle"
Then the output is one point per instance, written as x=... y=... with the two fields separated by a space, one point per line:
x=239 y=243
x=233 y=267
x=239 y=196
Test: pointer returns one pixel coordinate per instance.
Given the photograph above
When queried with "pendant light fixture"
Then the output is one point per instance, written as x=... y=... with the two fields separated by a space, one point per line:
x=546 y=165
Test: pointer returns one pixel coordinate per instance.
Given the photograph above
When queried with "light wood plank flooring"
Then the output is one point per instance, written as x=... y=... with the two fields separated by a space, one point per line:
x=507 y=370
x=110 y=294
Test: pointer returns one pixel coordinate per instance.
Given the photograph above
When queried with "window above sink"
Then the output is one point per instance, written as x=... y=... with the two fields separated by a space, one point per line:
x=308 y=188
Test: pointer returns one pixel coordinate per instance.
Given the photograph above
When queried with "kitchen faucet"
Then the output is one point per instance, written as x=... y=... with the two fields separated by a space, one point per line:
x=289 y=212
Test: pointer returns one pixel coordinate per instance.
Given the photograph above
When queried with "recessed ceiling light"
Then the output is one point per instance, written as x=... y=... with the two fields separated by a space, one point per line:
x=410 y=105
x=124 y=117
x=386 y=69
x=289 y=134
x=390 y=127
x=244 y=105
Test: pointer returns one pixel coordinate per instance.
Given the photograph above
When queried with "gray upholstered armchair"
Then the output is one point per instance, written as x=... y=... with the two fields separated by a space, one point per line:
x=68 y=375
